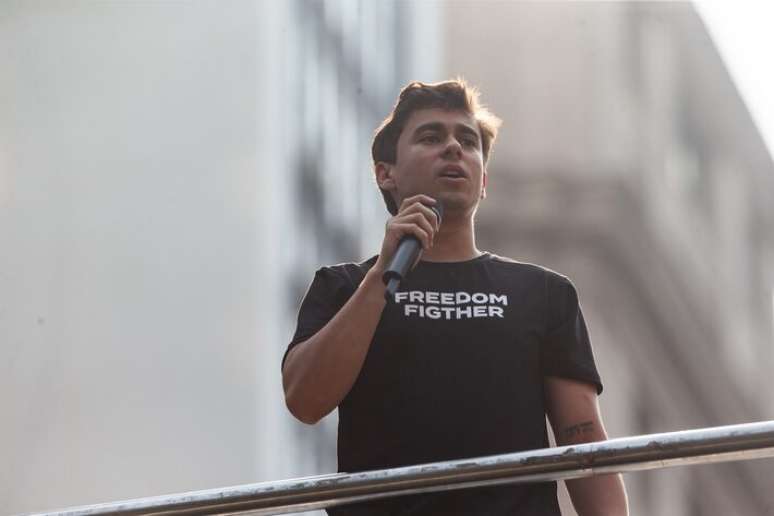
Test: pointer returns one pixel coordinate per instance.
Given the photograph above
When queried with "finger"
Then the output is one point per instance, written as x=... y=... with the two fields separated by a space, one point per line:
x=420 y=219
x=429 y=213
x=402 y=229
x=420 y=198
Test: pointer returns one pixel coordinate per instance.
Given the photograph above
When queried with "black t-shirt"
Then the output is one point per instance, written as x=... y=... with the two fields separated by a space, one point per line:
x=455 y=370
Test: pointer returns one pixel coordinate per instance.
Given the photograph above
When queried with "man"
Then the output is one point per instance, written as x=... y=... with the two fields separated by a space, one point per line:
x=473 y=351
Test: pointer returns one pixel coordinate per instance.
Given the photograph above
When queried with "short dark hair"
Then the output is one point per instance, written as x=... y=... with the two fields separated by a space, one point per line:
x=451 y=95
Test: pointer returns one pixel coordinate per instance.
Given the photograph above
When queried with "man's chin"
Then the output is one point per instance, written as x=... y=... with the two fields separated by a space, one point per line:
x=456 y=203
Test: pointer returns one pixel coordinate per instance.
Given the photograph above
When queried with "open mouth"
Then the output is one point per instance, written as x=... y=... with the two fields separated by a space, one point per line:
x=452 y=173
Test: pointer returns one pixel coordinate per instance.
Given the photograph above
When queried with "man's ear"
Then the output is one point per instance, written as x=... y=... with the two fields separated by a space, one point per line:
x=483 y=186
x=383 y=173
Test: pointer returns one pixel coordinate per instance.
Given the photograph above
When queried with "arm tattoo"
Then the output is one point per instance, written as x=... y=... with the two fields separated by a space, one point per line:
x=575 y=431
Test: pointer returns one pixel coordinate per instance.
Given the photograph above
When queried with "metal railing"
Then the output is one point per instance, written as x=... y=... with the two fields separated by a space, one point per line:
x=643 y=452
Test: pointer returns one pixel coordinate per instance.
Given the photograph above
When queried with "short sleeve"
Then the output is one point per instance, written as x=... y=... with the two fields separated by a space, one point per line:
x=566 y=350
x=328 y=292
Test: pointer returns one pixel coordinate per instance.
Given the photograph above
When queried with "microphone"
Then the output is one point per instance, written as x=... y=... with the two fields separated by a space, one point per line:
x=405 y=256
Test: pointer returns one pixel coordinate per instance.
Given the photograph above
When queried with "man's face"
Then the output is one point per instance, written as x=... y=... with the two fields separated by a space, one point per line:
x=439 y=154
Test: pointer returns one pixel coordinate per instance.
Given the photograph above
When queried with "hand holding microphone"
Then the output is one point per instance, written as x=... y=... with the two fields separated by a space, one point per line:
x=407 y=234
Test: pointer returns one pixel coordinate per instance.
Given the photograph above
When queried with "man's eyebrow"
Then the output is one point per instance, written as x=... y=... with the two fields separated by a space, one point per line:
x=438 y=126
x=467 y=130
x=429 y=126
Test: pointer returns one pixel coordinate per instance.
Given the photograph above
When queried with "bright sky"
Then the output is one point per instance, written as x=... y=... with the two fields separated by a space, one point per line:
x=743 y=32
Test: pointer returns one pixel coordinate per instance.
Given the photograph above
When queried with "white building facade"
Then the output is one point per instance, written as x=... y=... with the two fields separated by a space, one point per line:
x=171 y=175
x=628 y=162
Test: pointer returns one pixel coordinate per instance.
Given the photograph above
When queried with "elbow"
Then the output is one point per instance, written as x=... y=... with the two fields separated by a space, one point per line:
x=305 y=416
x=301 y=410
x=300 y=399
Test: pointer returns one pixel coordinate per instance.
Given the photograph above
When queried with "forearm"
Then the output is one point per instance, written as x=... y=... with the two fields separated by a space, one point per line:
x=320 y=371
x=601 y=495
x=573 y=410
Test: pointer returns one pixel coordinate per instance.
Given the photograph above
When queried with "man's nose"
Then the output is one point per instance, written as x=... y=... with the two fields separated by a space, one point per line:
x=453 y=148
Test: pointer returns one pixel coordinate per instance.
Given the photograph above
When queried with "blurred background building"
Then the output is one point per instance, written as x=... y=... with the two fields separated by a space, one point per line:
x=172 y=174
x=629 y=162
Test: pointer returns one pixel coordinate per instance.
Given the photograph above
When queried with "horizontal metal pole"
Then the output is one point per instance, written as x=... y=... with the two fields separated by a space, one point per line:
x=644 y=452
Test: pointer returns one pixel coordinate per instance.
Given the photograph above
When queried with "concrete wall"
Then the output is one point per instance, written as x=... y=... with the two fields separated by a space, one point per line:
x=171 y=175
x=628 y=161
x=133 y=226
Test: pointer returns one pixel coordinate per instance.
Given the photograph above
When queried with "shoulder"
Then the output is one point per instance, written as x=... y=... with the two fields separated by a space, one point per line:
x=348 y=272
x=509 y=264
x=554 y=285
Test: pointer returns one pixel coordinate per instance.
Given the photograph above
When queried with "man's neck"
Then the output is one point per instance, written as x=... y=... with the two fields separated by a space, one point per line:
x=454 y=242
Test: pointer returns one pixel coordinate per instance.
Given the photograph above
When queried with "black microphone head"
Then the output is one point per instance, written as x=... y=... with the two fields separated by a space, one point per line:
x=438 y=209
